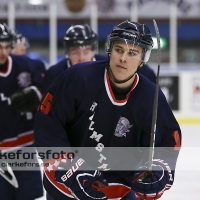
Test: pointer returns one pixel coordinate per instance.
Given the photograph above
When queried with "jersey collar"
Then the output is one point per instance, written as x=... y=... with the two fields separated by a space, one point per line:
x=111 y=94
x=9 y=68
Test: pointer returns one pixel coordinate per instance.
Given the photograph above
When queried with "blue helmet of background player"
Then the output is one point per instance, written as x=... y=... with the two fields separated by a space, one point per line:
x=80 y=35
x=132 y=32
x=6 y=34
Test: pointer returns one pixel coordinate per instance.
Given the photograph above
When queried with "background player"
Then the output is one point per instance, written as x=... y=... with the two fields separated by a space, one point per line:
x=20 y=48
x=19 y=97
x=80 y=43
x=107 y=104
x=21 y=44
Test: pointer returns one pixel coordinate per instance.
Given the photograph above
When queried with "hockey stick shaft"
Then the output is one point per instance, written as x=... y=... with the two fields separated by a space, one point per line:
x=155 y=104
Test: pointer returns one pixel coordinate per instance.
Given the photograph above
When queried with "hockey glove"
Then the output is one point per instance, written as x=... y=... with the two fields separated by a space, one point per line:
x=153 y=186
x=26 y=99
x=64 y=180
x=73 y=179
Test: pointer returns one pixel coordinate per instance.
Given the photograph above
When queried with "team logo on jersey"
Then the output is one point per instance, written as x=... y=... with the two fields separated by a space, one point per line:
x=123 y=127
x=24 y=79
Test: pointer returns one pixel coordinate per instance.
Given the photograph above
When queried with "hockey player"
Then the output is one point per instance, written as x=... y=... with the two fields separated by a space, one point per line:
x=19 y=97
x=20 y=48
x=21 y=45
x=107 y=104
x=80 y=43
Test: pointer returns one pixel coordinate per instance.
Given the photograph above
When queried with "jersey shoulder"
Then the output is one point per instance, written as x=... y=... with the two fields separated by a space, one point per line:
x=40 y=65
x=81 y=78
x=146 y=83
x=148 y=87
x=53 y=72
x=36 y=64
x=86 y=71
x=21 y=63
x=60 y=66
x=101 y=57
x=148 y=72
x=89 y=67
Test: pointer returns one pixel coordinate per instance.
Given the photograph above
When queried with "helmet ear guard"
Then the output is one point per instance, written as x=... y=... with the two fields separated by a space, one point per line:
x=80 y=35
x=146 y=55
x=134 y=33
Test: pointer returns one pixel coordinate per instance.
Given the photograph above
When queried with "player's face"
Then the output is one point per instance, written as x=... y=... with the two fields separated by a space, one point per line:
x=5 y=49
x=125 y=59
x=19 y=48
x=80 y=54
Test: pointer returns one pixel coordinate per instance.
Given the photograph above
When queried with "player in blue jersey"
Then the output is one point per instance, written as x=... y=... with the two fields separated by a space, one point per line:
x=107 y=104
x=80 y=43
x=20 y=48
x=148 y=72
x=19 y=98
x=21 y=44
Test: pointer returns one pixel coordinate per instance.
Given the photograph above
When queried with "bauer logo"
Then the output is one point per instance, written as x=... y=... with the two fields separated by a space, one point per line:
x=72 y=170
x=123 y=127
x=129 y=34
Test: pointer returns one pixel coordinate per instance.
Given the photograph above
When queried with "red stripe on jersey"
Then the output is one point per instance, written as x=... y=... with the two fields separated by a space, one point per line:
x=127 y=96
x=115 y=190
x=62 y=188
x=20 y=140
x=8 y=67
x=152 y=196
x=49 y=169
x=176 y=136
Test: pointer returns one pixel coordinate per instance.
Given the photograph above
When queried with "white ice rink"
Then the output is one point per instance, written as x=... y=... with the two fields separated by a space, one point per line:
x=187 y=178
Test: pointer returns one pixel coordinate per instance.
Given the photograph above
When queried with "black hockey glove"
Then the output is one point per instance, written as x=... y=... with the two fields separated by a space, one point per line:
x=152 y=187
x=65 y=179
x=26 y=99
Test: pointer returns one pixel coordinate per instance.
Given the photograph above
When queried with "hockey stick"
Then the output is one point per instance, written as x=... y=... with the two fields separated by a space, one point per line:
x=9 y=176
x=155 y=104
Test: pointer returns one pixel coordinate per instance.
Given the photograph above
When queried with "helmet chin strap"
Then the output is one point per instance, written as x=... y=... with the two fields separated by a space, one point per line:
x=122 y=81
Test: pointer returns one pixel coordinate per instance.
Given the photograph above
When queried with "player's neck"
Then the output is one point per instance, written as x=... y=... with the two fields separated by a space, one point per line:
x=128 y=84
x=3 y=67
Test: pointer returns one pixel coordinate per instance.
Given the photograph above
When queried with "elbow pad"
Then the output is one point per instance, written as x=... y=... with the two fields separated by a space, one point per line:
x=26 y=99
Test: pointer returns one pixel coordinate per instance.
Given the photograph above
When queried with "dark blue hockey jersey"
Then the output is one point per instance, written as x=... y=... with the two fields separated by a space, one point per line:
x=55 y=70
x=16 y=128
x=80 y=106
x=39 y=68
x=148 y=72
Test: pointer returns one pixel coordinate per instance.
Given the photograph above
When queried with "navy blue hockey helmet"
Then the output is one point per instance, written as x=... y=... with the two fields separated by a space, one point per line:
x=80 y=35
x=6 y=34
x=134 y=33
